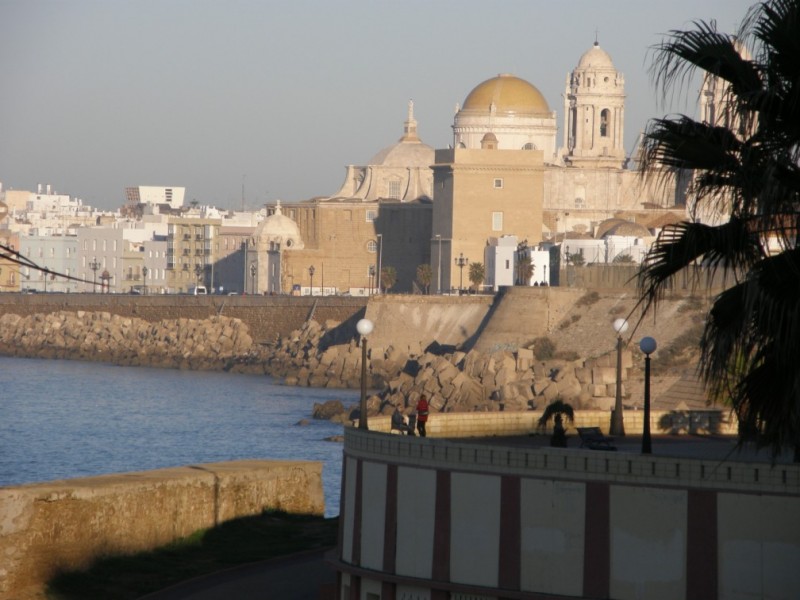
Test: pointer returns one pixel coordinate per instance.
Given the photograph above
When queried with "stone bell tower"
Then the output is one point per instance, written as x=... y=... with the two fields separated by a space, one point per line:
x=594 y=112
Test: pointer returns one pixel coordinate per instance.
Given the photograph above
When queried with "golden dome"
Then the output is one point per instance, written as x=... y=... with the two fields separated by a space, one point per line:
x=509 y=94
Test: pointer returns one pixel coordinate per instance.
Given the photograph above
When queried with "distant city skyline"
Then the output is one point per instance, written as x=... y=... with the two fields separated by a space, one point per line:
x=271 y=101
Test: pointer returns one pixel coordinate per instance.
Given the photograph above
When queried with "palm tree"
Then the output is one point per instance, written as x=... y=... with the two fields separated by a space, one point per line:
x=746 y=169
x=425 y=276
x=557 y=410
x=525 y=270
x=477 y=273
x=388 y=277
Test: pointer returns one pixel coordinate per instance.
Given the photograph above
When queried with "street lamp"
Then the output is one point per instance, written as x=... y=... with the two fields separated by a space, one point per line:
x=198 y=271
x=371 y=277
x=144 y=280
x=438 y=237
x=311 y=271
x=380 y=263
x=461 y=262
x=364 y=328
x=94 y=266
x=617 y=422
x=253 y=270
x=648 y=346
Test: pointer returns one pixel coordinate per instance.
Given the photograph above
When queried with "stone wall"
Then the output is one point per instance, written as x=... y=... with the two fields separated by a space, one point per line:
x=64 y=525
x=265 y=316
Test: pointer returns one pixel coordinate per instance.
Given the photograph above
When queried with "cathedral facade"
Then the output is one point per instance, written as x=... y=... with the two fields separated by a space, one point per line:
x=504 y=175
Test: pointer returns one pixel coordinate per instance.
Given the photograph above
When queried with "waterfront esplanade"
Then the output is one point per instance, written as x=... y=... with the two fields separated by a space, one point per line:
x=462 y=514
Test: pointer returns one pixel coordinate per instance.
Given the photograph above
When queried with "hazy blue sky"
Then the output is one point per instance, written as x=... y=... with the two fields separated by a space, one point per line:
x=96 y=95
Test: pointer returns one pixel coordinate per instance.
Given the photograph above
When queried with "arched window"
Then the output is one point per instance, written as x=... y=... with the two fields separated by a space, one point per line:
x=372 y=246
x=604 y=123
x=529 y=146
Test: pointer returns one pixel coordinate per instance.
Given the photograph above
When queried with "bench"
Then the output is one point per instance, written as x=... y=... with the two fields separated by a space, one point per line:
x=593 y=438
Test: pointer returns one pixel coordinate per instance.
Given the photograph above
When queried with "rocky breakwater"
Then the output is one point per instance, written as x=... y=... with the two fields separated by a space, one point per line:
x=503 y=380
x=513 y=380
x=210 y=344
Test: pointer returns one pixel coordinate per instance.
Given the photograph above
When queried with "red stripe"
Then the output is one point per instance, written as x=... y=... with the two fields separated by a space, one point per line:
x=440 y=570
x=357 y=514
x=509 y=568
x=701 y=546
x=390 y=522
x=597 y=542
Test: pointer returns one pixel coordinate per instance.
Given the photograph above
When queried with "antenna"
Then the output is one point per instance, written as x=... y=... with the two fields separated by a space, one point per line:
x=243 y=176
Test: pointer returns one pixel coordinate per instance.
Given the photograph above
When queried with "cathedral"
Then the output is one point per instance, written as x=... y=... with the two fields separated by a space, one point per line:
x=505 y=176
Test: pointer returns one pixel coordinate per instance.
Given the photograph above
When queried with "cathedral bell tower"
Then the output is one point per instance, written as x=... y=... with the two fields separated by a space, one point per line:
x=594 y=112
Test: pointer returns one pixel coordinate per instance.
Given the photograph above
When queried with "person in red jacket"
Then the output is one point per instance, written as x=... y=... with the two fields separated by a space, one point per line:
x=422 y=414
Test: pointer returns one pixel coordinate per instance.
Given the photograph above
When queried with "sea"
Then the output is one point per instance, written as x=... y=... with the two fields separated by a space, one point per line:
x=63 y=419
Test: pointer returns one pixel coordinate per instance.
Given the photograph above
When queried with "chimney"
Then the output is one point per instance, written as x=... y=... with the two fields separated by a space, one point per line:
x=48 y=189
x=39 y=188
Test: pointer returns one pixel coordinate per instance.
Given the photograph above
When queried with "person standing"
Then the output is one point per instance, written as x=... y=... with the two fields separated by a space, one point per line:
x=422 y=414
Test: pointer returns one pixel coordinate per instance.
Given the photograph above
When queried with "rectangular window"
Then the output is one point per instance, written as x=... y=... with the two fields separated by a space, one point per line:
x=508 y=265
x=498 y=184
x=371 y=215
x=394 y=189
x=497 y=221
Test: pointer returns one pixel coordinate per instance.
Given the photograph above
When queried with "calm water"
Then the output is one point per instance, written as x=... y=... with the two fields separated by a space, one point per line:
x=64 y=419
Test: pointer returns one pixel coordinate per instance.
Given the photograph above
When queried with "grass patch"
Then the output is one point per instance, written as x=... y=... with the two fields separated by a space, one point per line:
x=236 y=542
x=588 y=299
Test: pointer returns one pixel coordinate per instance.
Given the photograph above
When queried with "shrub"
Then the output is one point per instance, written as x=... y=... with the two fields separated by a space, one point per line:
x=544 y=348
x=588 y=299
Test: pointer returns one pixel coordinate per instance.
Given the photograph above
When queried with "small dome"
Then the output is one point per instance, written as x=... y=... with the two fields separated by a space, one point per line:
x=629 y=229
x=506 y=94
x=594 y=58
x=405 y=154
x=278 y=228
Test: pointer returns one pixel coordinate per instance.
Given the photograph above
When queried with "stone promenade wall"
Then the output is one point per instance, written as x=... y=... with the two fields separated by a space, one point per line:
x=266 y=316
x=64 y=525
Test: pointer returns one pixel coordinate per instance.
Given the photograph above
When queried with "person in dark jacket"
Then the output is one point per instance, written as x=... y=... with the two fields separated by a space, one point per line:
x=422 y=414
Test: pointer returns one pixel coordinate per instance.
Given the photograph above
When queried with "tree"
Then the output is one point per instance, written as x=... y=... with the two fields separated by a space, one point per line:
x=477 y=272
x=576 y=258
x=747 y=169
x=388 y=277
x=624 y=258
x=525 y=270
x=425 y=277
x=557 y=410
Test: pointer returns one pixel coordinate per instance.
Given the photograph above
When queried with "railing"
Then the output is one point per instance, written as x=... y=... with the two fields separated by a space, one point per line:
x=572 y=463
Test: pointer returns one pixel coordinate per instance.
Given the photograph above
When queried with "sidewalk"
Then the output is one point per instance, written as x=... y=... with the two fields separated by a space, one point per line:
x=296 y=577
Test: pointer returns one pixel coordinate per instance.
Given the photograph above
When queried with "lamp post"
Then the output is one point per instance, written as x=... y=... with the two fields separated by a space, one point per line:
x=94 y=266
x=311 y=271
x=371 y=277
x=617 y=422
x=648 y=346
x=144 y=280
x=253 y=270
x=198 y=271
x=438 y=237
x=380 y=263
x=461 y=262
x=364 y=328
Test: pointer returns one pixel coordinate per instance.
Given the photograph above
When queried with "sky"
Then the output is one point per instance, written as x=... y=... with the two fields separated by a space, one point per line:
x=249 y=101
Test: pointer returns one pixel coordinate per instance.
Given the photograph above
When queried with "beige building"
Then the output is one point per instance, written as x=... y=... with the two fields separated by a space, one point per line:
x=480 y=195
x=191 y=248
x=380 y=217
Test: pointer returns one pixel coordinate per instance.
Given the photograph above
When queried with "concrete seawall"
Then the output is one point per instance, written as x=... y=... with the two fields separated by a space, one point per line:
x=50 y=527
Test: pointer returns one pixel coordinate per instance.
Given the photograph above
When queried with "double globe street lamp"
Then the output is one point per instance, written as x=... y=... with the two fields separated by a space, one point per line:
x=461 y=262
